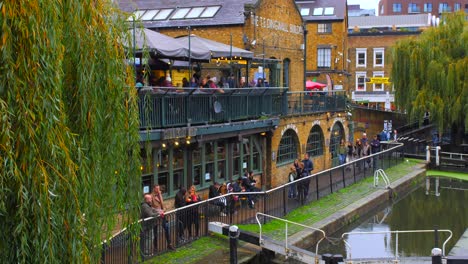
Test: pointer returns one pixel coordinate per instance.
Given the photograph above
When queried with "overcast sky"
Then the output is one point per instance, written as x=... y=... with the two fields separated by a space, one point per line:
x=365 y=4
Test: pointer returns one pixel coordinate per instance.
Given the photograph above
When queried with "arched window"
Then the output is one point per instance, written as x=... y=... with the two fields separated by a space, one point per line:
x=315 y=142
x=287 y=150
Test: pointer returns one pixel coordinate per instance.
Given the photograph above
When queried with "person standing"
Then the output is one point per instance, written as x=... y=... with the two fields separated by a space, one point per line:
x=179 y=202
x=194 y=216
x=308 y=168
x=342 y=152
x=395 y=135
x=292 y=187
x=366 y=150
x=364 y=138
x=157 y=203
x=350 y=151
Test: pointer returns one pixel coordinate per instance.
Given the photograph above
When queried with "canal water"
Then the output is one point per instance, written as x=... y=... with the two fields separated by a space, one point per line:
x=424 y=208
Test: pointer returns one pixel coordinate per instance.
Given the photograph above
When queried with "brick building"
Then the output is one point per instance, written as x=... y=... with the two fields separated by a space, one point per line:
x=326 y=44
x=200 y=154
x=370 y=41
x=404 y=7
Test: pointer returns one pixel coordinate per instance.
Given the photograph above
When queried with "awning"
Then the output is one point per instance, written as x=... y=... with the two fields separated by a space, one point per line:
x=216 y=49
x=166 y=47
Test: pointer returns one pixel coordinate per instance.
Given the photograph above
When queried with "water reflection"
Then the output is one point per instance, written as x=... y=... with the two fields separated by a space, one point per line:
x=416 y=211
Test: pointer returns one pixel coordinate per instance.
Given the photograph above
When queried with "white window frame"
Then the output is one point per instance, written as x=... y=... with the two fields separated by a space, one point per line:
x=397 y=7
x=363 y=74
x=361 y=51
x=427 y=7
x=376 y=86
x=377 y=51
x=324 y=28
x=324 y=58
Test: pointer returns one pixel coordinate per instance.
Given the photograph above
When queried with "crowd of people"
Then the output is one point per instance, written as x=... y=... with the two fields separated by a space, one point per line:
x=188 y=221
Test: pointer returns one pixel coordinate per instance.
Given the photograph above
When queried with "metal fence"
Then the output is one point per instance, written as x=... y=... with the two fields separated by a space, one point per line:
x=183 y=225
x=171 y=107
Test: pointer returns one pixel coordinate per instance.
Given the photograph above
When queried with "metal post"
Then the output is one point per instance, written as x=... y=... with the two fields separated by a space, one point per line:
x=428 y=154
x=428 y=185
x=436 y=237
x=233 y=236
x=190 y=52
x=305 y=57
x=437 y=187
x=263 y=75
x=437 y=156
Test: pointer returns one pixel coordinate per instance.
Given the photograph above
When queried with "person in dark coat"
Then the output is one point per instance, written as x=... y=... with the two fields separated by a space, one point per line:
x=308 y=168
x=147 y=211
x=181 y=215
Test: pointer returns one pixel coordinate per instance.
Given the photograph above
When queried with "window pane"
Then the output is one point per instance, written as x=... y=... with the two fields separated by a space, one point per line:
x=318 y=11
x=210 y=11
x=305 y=11
x=195 y=12
x=315 y=142
x=196 y=159
x=209 y=161
x=221 y=157
x=329 y=11
x=324 y=58
x=178 y=173
x=287 y=150
x=180 y=13
x=163 y=14
x=149 y=14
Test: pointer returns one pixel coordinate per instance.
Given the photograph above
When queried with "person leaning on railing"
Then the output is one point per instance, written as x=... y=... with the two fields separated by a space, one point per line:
x=157 y=203
x=193 y=216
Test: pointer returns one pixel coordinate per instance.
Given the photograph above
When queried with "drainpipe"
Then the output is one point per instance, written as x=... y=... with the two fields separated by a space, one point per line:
x=305 y=56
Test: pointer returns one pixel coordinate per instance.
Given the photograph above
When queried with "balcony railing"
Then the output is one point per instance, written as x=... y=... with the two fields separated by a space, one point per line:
x=173 y=107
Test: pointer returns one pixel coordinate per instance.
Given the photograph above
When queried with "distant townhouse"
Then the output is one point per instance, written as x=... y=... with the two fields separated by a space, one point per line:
x=402 y=7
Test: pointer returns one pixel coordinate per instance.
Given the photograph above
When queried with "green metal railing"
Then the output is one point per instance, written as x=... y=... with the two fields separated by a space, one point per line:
x=174 y=107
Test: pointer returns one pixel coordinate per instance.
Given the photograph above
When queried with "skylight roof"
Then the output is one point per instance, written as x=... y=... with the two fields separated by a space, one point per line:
x=179 y=13
x=210 y=11
x=163 y=14
x=318 y=11
x=149 y=14
x=305 y=11
x=329 y=11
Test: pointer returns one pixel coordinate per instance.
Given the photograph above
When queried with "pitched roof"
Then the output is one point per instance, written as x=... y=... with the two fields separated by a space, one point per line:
x=320 y=10
x=229 y=13
x=420 y=20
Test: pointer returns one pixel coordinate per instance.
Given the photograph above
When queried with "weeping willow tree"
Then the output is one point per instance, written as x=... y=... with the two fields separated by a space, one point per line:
x=430 y=74
x=69 y=154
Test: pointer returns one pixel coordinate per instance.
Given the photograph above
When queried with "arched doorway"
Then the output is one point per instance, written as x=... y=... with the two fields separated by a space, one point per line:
x=337 y=134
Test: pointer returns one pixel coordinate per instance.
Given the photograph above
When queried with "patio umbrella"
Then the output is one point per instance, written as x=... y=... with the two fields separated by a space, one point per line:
x=310 y=85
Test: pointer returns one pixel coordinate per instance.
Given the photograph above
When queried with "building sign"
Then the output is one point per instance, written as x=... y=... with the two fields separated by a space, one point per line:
x=289 y=126
x=378 y=80
x=276 y=25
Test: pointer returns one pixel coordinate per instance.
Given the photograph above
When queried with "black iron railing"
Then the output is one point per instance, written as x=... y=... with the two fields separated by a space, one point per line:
x=191 y=222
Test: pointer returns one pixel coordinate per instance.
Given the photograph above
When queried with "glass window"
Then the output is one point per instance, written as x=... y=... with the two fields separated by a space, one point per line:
x=413 y=8
x=221 y=160
x=379 y=57
x=318 y=11
x=209 y=162
x=197 y=167
x=256 y=157
x=287 y=150
x=210 y=11
x=195 y=12
x=361 y=57
x=180 y=13
x=315 y=142
x=137 y=15
x=378 y=86
x=178 y=169
x=324 y=28
x=149 y=14
x=329 y=11
x=163 y=14
x=163 y=170
x=456 y=7
x=428 y=7
x=443 y=7
x=360 y=81
x=324 y=57
x=236 y=160
x=305 y=11
x=397 y=7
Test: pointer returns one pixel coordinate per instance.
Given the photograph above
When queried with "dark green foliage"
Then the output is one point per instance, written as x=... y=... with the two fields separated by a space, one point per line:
x=429 y=73
x=69 y=153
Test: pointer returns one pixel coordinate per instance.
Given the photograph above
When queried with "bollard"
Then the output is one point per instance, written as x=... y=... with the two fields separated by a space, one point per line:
x=327 y=258
x=233 y=236
x=436 y=254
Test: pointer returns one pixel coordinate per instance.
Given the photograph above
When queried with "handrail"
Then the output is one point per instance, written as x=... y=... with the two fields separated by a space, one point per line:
x=286 y=230
x=384 y=176
x=396 y=232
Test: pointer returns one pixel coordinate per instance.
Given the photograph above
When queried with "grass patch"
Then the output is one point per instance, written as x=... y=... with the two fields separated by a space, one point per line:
x=192 y=252
x=456 y=175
